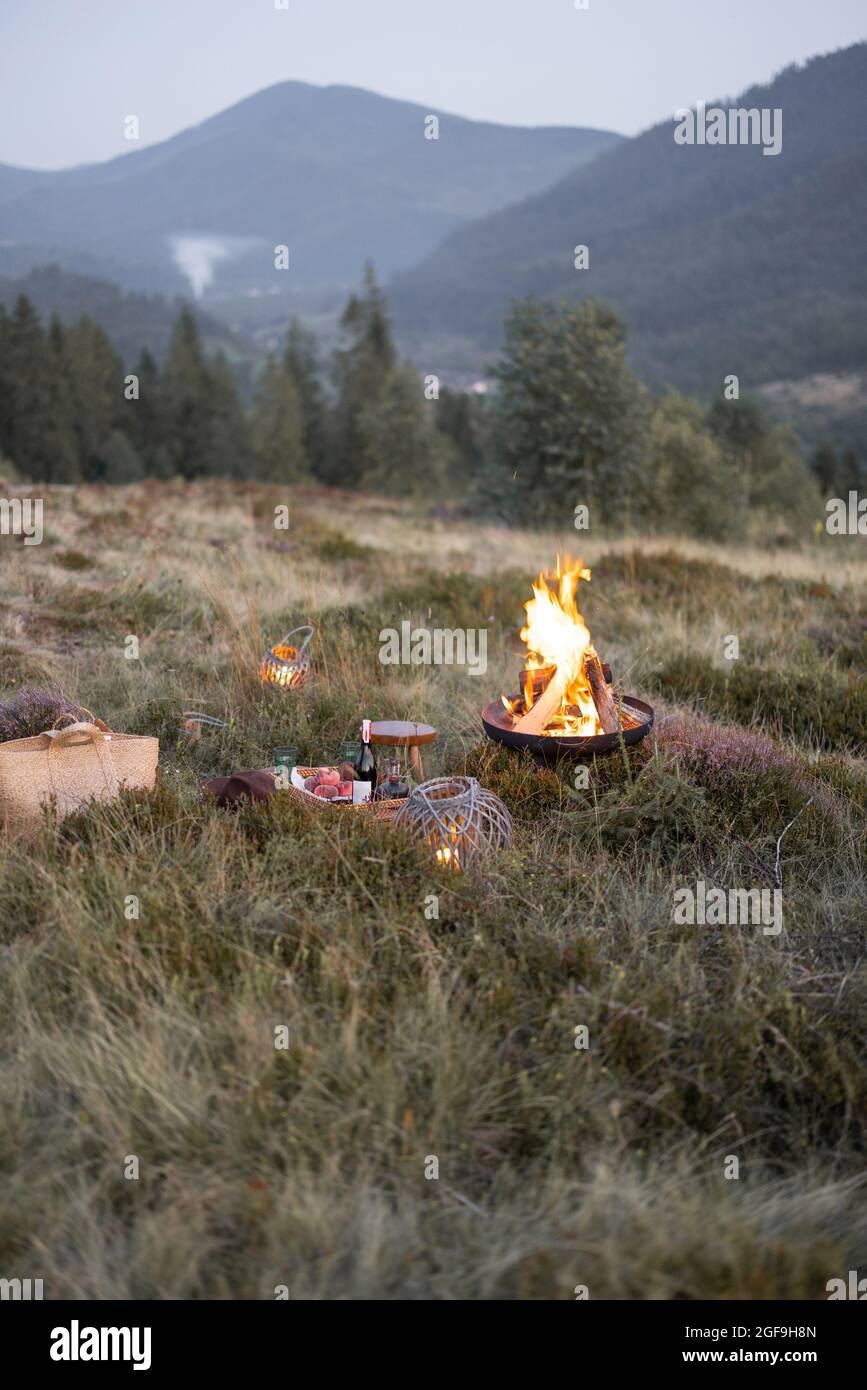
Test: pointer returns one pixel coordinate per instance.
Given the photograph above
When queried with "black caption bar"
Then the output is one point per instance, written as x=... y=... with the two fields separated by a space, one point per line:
x=157 y=1339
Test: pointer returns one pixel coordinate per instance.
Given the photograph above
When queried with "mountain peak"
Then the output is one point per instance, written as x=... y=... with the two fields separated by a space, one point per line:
x=338 y=174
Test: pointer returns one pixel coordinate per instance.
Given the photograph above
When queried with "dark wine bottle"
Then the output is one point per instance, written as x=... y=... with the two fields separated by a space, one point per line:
x=365 y=763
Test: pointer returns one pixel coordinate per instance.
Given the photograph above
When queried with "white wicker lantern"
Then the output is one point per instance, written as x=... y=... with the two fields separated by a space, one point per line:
x=458 y=819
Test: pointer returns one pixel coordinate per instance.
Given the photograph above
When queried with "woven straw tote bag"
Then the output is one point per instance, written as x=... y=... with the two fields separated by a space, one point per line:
x=81 y=763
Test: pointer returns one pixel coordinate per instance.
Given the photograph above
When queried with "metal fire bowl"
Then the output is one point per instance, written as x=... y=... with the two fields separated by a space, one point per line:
x=497 y=725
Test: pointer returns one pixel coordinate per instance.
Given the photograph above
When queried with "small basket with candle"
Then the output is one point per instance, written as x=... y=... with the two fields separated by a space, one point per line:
x=287 y=664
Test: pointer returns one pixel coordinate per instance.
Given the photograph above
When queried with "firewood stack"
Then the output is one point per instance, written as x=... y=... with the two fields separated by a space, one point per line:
x=548 y=685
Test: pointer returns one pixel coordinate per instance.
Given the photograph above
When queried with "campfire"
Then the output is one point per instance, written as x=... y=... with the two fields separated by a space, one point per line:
x=566 y=698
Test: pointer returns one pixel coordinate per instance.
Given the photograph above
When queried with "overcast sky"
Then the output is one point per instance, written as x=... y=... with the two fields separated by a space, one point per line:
x=71 y=70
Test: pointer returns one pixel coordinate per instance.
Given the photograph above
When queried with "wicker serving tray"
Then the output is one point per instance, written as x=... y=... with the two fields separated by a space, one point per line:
x=380 y=810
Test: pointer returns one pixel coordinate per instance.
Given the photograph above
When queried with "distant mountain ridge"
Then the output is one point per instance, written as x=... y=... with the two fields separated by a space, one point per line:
x=337 y=174
x=721 y=260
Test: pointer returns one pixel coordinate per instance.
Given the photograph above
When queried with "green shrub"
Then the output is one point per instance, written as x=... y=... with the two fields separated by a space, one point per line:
x=815 y=702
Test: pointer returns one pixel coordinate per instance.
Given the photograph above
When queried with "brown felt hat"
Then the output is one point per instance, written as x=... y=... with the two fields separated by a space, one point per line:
x=256 y=784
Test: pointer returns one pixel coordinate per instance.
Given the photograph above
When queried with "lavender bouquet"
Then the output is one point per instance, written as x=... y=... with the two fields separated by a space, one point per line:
x=33 y=709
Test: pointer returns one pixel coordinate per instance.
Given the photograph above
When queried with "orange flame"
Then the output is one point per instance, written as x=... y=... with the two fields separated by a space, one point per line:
x=556 y=636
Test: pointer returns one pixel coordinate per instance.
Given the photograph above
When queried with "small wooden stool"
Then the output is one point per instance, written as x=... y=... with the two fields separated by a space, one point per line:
x=399 y=733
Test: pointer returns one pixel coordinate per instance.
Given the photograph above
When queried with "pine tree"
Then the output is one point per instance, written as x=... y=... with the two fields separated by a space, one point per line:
x=118 y=460
x=61 y=426
x=571 y=415
x=143 y=418
x=462 y=418
x=28 y=362
x=825 y=467
x=278 y=426
x=851 y=474
x=5 y=383
x=96 y=382
x=188 y=400
x=38 y=432
x=361 y=369
x=229 y=449
x=300 y=361
x=402 y=453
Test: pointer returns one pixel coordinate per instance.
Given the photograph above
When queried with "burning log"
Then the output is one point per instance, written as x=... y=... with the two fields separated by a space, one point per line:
x=536 y=719
x=533 y=683
x=603 y=699
x=548 y=697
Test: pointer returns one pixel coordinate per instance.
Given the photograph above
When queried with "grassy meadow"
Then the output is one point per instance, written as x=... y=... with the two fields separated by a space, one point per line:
x=452 y=1037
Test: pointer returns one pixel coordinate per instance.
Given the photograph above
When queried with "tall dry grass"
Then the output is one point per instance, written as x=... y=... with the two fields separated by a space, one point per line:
x=410 y=1036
